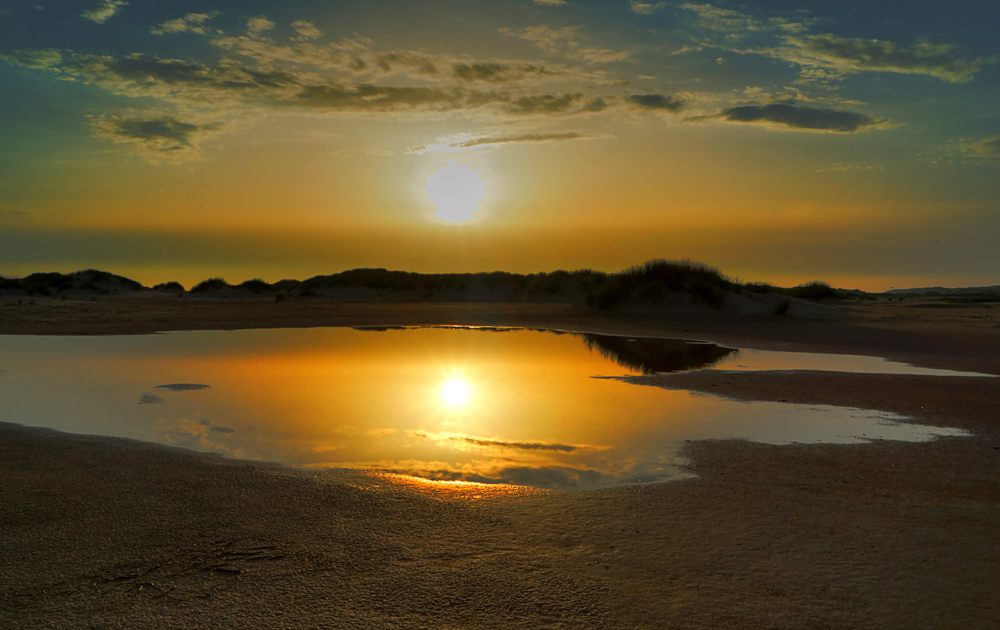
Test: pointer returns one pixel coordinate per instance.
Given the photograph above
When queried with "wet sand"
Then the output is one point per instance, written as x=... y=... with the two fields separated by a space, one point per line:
x=102 y=532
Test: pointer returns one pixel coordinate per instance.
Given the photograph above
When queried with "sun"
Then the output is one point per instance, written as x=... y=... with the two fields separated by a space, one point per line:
x=455 y=392
x=456 y=191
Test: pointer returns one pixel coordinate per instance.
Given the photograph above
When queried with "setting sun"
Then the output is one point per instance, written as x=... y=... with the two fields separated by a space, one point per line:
x=455 y=392
x=456 y=191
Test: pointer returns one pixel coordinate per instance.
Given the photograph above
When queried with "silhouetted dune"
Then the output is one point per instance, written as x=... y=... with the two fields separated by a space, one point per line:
x=654 y=284
x=86 y=282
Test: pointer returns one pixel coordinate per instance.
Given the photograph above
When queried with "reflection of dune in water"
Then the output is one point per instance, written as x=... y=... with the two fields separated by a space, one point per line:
x=649 y=355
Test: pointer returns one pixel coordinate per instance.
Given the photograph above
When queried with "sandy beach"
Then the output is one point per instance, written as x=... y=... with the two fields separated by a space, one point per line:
x=108 y=533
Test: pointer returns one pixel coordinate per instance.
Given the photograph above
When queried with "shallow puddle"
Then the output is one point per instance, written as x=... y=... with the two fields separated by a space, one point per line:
x=514 y=406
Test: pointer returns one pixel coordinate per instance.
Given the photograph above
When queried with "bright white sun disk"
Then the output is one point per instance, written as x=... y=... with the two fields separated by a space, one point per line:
x=456 y=191
x=455 y=392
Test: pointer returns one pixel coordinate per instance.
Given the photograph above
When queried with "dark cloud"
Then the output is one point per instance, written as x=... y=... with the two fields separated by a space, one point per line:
x=797 y=117
x=155 y=138
x=542 y=104
x=852 y=55
x=595 y=105
x=655 y=102
x=496 y=72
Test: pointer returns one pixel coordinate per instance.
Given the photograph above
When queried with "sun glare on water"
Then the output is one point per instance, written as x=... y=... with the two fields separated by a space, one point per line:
x=455 y=392
x=456 y=191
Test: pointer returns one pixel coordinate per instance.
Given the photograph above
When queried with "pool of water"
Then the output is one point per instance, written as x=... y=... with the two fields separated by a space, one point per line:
x=512 y=406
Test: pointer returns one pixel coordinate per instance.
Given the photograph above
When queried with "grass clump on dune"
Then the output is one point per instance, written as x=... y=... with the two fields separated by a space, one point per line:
x=212 y=284
x=653 y=280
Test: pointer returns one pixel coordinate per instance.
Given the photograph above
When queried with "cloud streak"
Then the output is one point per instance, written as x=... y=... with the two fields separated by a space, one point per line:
x=449 y=146
x=787 y=115
x=848 y=55
x=655 y=102
x=568 y=42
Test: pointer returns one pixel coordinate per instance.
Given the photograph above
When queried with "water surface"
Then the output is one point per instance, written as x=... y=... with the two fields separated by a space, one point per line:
x=532 y=412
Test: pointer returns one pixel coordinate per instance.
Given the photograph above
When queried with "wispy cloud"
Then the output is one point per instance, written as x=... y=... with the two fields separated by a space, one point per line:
x=461 y=143
x=259 y=24
x=191 y=23
x=551 y=3
x=646 y=8
x=568 y=42
x=796 y=117
x=988 y=148
x=104 y=11
x=839 y=167
x=848 y=55
x=306 y=30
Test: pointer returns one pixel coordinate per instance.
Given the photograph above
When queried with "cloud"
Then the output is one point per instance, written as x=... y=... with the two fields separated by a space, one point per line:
x=551 y=3
x=104 y=11
x=462 y=143
x=232 y=85
x=988 y=148
x=259 y=24
x=35 y=59
x=541 y=104
x=644 y=8
x=843 y=168
x=845 y=55
x=566 y=41
x=655 y=102
x=489 y=72
x=796 y=117
x=306 y=30
x=155 y=139
x=734 y=25
x=191 y=22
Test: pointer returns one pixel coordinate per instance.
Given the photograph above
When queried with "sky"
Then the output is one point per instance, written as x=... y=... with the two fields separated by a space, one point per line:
x=852 y=142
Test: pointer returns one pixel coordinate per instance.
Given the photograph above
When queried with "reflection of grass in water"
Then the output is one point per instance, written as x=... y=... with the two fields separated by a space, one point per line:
x=658 y=355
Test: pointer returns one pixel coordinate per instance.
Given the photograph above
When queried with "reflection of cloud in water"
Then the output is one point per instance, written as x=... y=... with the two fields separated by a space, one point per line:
x=182 y=387
x=649 y=355
x=486 y=442
x=149 y=399
x=200 y=435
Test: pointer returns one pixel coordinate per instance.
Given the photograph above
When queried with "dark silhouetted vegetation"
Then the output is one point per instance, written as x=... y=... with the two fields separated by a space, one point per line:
x=652 y=281
x=212 y=284
x=782 y=308
x=169 y=286
x=256 y=285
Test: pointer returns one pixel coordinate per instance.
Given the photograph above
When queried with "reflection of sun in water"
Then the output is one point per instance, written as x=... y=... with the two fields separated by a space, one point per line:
x=455 y=392
x=456 y=191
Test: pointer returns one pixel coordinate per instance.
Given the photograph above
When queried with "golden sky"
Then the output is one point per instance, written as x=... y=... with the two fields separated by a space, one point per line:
x=780 y=141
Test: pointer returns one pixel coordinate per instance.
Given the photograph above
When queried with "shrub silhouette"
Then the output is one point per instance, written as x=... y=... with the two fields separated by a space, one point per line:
x=212 y=284
x=169 y=286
